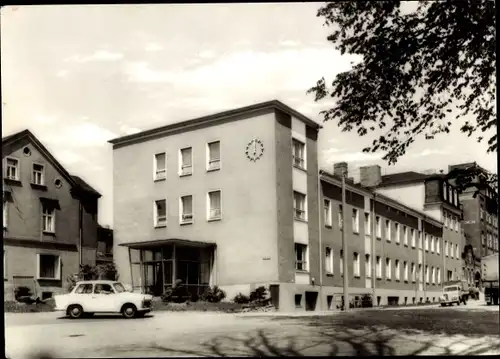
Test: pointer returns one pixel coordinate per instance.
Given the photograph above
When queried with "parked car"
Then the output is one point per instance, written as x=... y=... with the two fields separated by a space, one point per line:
x=454 y=292
x=102 y=296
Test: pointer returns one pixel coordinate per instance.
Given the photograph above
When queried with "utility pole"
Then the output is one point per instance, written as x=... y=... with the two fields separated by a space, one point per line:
x=344 y=247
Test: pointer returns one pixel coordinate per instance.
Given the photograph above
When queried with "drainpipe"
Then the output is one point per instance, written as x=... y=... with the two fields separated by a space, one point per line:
x=321 y=262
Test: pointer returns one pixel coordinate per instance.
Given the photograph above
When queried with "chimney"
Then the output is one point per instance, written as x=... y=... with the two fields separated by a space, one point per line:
x=340 y=169
x=370 y=176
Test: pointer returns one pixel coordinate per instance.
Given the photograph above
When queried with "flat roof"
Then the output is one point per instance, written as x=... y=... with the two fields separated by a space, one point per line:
x=160 y=242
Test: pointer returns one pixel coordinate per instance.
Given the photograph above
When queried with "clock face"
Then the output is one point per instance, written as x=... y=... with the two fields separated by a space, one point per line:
x=254 y=150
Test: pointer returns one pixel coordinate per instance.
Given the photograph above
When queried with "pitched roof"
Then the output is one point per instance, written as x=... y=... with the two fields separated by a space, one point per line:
x=74 y=181
x=274 y=104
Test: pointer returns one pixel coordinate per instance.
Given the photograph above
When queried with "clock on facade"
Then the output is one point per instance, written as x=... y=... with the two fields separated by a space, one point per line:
x=254 y=150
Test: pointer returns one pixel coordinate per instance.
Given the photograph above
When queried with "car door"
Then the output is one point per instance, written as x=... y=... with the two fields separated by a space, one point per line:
x=104 y=298
x=83 y=296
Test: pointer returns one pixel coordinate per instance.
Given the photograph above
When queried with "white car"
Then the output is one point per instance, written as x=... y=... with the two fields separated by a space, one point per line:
x=103 y=296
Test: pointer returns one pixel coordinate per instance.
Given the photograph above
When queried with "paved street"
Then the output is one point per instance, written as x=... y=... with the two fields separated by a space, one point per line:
x=471 y=329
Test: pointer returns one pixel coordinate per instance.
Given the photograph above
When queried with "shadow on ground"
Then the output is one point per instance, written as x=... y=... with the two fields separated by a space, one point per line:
x=98 y=317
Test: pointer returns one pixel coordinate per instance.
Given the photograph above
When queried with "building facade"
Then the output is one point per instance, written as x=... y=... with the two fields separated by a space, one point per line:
x=104 y=253
x=49 y=218
x=237 y=200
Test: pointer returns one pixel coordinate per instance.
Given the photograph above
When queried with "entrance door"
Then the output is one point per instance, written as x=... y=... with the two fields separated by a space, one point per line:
x=153 y=278
x=311 y=299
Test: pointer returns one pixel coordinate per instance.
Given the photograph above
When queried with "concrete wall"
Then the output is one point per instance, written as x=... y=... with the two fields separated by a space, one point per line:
x=246 y=234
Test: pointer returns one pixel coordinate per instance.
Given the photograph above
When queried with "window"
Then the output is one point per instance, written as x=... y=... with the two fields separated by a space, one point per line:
x=438 y=246
x=5 y=213
x=433 y=275
x=160 y=166
x=413 y=272
x=413 y=239
x=341 y=216
x=378 y=227
x=356 y=264
x=368 y=266
x=445 y=192
x=298 y=300
x=328 y=212
x=420 y=244
x=341 y=262
x=160 y=213
x=84 y=289
x=446 y=248
x=426 y=274
x=439 y=276
x=49 y=266
x=452 y=222
x=457 y=252
x=457 y=224
x=451 y=250
x=445 y=216
x=405 y=271
x=298 y=153
x=12 y=168
x=398 y=270
x=214 y=205
x=38 y=174
x=329 y=260
x=368 y=229
x=432 y=244
x=455 y=197
x=405 y=235
x=379 y=267
x=299 y=206
x=355 y=220
x=300 y=257
x=426 y=242
x=450 y=194
x=186 y=204
x=48 y=219
x=102 y=288
x=186 y=161
x=388 y=268
x=388 y=230
x=420 y=274
x=396 y=229
x=213 y=156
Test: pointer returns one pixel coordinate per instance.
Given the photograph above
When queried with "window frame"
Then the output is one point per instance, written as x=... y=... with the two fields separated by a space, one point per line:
x=388 y=230
x=302 y=161
x=397 y=269
x=378 y=227
x=405 y=235
x=48 y=212
x=327 y=212
x=356 y=264
x=355 y=220
x=181 y=210
x=57 y=270
x=209 y=208
x=41 y=173
x=398 y=232
x=295 y=209
x=388 y=269
x=368 y=223
x=156 y=171
x=405 y=271
x=208 y=160
x=378 y=267
x=156 y=219
x=5 y=214
x=17 y=168
x=183 y=173
x=413 y=237
x=368 y=265
x=305 y=254
x=329 y=264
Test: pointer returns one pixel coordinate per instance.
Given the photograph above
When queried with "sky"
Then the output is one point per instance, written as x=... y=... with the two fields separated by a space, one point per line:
x=78 y=76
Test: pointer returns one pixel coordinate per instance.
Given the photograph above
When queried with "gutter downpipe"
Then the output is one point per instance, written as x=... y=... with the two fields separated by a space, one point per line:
x=320 y=242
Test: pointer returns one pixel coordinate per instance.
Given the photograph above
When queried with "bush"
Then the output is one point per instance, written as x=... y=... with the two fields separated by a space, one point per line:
x=177 y=293
x=102 y=271
x=258 y=295
x=241 y=299
x=213 y=295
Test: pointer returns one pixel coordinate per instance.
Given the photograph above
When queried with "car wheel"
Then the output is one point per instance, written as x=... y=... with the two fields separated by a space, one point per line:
x=458 y=303
x=75 y=311
x=443 y=304
x=129 y=311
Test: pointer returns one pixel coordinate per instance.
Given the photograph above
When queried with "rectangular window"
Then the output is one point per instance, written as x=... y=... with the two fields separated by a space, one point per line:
x=341 y=216
x=452 y=222
x=420 y=244
x=379 y=267
x=452 y=252
x=186 y=209
x=12 y=168
x=49 y=266
x=420 y=273
x=298 y=153
x=355 y=220
x=213 y=156
x=186 y=155
x=398 y=269
x=378 y=226
x=160 y=213
x=432 y=243
x=214 y=205
x=439 y=276
x=405 y=271
x=438 y=245
x=329 y=260
x=445 y=216
x=299 y=206
x=426 y=242
x=368 y=266
x=405 y=235
x=396 y=229
x=413 y=239
x=457 y=251
x=413 y=272
x=388 y=230
x=38 y=174
x=368 y=229
x=160 y=166
x=300 y=257
x=356 y=264
x=5 y=213
x=433 y=275
x=426 y=274
x=388 y=268
x=48 y=219
x=446 y=248
x=327 y=205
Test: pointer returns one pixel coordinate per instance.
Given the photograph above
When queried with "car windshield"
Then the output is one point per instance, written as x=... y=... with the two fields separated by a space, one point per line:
x=450 y=289
x=119 y=288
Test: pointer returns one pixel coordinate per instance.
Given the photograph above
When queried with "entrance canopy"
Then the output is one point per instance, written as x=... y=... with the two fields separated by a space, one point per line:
x=162 y=242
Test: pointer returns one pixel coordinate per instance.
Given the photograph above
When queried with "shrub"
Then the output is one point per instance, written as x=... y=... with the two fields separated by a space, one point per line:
x=213 y=295
x=258 y=295
x=177 y=293
x=107 y=271
x=241 y=299
x=87 y=272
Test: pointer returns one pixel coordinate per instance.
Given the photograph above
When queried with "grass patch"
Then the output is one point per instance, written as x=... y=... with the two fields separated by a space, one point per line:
x=200 y=306
x=16 y=307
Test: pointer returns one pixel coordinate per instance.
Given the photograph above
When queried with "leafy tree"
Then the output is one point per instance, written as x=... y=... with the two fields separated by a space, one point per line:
x=418 y=67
